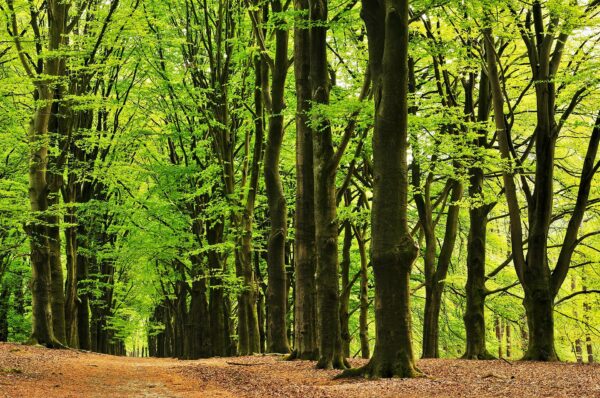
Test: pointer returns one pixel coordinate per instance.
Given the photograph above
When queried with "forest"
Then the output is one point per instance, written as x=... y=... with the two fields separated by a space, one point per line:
x=324 y=179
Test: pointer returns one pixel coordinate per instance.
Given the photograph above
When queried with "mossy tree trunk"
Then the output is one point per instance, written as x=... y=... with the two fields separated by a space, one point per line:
x=392 y=247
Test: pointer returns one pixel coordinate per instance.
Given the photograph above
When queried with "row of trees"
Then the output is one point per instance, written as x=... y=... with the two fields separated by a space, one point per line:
x=183 y=181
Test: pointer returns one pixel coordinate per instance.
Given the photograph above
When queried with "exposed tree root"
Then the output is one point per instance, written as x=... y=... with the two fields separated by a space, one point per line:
x=292 y=356
x=54 y=343
x=540 y=355
x=337 y=362
x=376 y=369
x=482 y=356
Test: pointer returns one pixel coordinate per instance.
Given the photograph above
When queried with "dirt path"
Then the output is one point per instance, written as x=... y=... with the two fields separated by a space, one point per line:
x=36 y=372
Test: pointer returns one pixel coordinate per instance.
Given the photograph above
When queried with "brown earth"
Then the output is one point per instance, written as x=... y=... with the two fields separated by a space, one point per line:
x=37 y=372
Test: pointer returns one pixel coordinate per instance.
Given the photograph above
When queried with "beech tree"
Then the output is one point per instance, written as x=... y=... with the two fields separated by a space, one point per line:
x=393 y=249
x=545 y=39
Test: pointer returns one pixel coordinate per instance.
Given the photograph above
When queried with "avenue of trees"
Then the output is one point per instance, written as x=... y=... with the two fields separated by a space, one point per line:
x=326 y=179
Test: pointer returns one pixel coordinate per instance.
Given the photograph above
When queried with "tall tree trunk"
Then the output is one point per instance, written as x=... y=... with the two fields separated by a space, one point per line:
x=199 y=314
x=436 y=283
x=83 y=302
x=326 y=227
x=248 y=334
x=218 y=324
x=475 y=289
x=305 y=344
x=43 y=268
x=508 y=339
x=56 y=282
x=364 y=298
x=499 y=334
x=276 y=292
x=41 y=294
x=540 y=284
x=71 y=316
x=393 y=249
x=346 y=288
x=261 y=305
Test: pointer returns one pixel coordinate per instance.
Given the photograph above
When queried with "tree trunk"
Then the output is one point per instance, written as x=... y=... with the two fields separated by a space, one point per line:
x=56 y=272
x=433 y=301
x=508 y=339
x=276 y=292
x=326 y=227
x=199 y=318
x=305 y=344
x=435 y=286
x=71 y=316
x=261 y=305
x=248 y=334
x=41 y=294
x=345 y=296
x=218 y=334
x=589 y=348
x=499 y=334
x=83 y=304
x=474 y=316
x=392 y=247
x=4 y=297
x=47 y=71
x=540 y=321
x=364 y=299
x=578 y=351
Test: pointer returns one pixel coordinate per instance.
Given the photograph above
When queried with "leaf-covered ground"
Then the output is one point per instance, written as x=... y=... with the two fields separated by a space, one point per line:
x=37 y=372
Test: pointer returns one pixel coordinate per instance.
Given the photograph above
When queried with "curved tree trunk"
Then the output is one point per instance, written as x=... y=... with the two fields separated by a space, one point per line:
x=277 y=339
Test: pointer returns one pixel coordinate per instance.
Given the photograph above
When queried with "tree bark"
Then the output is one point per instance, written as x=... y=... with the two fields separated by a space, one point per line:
x=326 y=227
x=71 y=317
x=83 y=306
x=199 y=314
x=41 y=295
x=305 y=344
x=364 y=299
x=219 y=335
x=345 y=296
x=474 y=317
x=435 y=286
x=276 y=292
x=248 y=334
x=393 y=249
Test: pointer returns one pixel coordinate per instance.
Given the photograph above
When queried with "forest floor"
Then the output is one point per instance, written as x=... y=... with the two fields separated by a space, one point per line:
x=37 y=372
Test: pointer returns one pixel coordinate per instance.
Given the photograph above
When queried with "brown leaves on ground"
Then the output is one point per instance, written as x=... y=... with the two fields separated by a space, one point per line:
x=38 y=372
